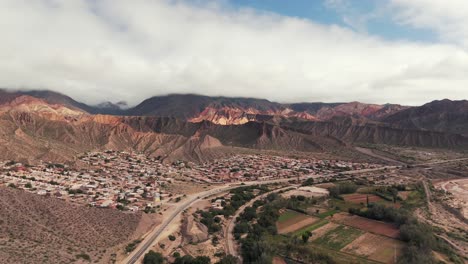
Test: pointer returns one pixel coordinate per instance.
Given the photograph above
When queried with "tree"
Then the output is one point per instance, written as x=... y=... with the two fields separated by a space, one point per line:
x=187 y=259
x=153 y=258
x=201 y=260
x=229 y=259
x=306 y=236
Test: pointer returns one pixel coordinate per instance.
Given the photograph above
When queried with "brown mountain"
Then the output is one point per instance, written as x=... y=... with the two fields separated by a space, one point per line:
x=53 y=127
x=235 y=111
x=218 y=110
x=443 y=116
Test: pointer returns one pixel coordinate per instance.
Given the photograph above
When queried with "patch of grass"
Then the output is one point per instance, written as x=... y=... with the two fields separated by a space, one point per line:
x=415 y=198
x=311 y=227
x=339 y=237
x=366 y=190
x=337 y=256
x=83 y=256
x=343 y=206
x=130 y=247
x=327 y=214
x=288 y=214
x=341 y=257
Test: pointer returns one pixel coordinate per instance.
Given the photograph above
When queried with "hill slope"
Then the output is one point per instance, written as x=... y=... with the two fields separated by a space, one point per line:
x=443 y=116
x=37 y=229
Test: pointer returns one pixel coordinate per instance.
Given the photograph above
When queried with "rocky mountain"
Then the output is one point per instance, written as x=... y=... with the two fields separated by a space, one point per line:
x=236 y=111
x=50 y=126
x=443 y=116
x=218 y=110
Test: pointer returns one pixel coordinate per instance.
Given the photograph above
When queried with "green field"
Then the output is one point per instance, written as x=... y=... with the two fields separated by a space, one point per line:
x=342 y=257
x=338 y=256
x=339 y=237
x=343 y=205
x=288 y=214
x=327 y=214
x=311 y=227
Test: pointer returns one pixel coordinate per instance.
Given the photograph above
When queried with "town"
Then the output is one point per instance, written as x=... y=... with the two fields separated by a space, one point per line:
x=134 y=181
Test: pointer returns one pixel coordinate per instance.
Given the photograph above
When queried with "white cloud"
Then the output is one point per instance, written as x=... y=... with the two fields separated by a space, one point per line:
x=117 y=49
x=448 y=18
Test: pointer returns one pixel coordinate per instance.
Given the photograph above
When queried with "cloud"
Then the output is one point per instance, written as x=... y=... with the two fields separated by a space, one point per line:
x=448 y=18
x=130 y=50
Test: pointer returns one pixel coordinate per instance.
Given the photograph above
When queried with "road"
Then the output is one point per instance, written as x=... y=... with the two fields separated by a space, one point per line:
x=230 y=241
x=440 y=162
x=148 y=241
x=154 y=235
x=370 y=152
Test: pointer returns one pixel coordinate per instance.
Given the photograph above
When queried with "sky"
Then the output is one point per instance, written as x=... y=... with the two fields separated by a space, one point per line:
x=374 y=51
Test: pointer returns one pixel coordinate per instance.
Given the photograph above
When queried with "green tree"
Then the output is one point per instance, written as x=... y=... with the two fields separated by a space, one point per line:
x=153 y=258
x=306 y=236
x=229 y=259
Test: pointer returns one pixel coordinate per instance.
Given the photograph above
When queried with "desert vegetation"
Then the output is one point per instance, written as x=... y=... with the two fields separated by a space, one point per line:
x=37 y=229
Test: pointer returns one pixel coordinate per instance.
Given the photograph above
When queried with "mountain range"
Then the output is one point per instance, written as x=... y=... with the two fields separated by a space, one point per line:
x=52 y=126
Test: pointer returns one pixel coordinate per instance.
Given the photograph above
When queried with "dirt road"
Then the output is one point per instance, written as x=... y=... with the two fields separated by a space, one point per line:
x=371 y=153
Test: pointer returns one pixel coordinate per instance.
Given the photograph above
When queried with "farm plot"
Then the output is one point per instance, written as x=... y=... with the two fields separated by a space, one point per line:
x=322 y=230
x=339 y=237
x=375 y=247
x=361 y=198
x=404 y=194
x=311 y=228
x=291 y=221
x=373 y=226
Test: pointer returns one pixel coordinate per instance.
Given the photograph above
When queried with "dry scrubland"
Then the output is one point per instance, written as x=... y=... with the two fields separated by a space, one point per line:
x=36 y=229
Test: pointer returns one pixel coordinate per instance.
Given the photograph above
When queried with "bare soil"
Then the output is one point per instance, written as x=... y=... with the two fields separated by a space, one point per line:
x=361 y=198
x=295 y=223
x=375 y=247
x=373 y=226
x=323 y=230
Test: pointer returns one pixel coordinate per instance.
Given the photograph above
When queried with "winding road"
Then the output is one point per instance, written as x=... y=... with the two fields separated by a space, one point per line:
x=149 y=240
x=230 y=241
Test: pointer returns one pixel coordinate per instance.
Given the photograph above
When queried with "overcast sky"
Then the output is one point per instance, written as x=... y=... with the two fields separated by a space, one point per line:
x=396 y=51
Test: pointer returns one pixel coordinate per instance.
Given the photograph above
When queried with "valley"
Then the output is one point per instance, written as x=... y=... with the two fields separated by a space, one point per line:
x=186 y=175
x=234 y=132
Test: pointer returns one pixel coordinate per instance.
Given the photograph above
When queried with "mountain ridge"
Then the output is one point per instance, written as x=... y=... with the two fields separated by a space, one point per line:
x=51 y=126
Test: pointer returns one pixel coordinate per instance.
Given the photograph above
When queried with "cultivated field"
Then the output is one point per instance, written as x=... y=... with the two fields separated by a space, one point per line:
x=313 y=227
x=361 y=198
x=291 y=221
x=339 y=237
x=323 y=229
x=369 y=225
x=375 y=247
x=404 y=195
